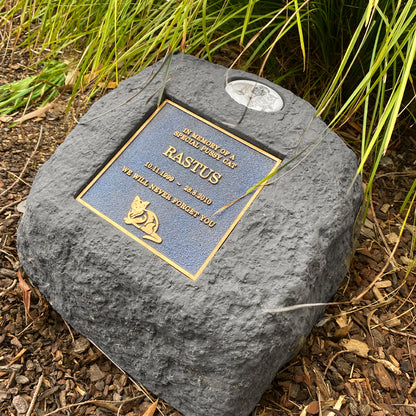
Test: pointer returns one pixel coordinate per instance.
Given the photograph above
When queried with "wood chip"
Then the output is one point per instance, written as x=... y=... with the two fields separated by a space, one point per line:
x=378 y=294
x=342 y=320
x=392 y=238
x=389 y=365
x=355 y=346
x=81 y=344
x=383 y=377
x=10 y=368
x=15 y=341
x=368 y=232
x=313 y=407
x=391 y=321
x=8 y=272
x=96 y=373
x=20 y=404
x=406 y=261
x=344 y=331
x=20 y=379
x=321 y=384
x=385 y=208
x=382 y=284
x=368 y=224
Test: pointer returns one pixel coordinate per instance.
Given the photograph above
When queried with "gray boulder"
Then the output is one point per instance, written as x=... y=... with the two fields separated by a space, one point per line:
x=209 y=346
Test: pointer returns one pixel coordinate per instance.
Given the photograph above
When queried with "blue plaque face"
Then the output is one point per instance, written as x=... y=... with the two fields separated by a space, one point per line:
x=164 y=186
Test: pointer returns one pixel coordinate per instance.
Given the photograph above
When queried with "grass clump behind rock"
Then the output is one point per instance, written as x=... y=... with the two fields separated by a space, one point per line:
x=352 y=59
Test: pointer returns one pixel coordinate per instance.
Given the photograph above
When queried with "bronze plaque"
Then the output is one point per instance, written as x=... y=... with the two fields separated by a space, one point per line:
x=165 y=185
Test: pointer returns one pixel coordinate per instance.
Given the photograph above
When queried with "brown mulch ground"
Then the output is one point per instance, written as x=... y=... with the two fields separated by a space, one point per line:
x=360 y=359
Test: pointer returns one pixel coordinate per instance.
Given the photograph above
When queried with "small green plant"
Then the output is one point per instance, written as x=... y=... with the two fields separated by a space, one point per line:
x=113 y=39
x=384 y=44
x=43 y=87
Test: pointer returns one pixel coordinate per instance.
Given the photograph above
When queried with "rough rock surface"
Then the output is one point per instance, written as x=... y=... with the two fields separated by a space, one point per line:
x=207 y=346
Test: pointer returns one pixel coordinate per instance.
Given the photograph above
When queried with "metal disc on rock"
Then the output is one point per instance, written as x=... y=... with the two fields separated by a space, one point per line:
x=254 y=95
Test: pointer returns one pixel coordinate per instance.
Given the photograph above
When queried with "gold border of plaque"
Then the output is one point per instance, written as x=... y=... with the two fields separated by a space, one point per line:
x=128 y=220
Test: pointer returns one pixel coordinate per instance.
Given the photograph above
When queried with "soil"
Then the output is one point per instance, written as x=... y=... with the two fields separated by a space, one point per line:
x=359 y=360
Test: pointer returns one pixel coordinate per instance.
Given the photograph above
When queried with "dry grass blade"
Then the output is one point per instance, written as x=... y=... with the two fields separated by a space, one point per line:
x=151 y=410
x=35 y=395
x=229 y=204
x=39 y=112
x=337 y=407
x=26 y=293
x=16 y=357
x=255 y=37
x=127 y=401
x=107 y=404
x=387 y=263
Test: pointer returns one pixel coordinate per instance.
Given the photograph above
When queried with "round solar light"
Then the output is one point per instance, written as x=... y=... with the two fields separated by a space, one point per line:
x=254 y=95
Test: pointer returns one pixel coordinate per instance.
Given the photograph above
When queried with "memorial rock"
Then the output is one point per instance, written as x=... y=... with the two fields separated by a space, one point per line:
x=125 y=236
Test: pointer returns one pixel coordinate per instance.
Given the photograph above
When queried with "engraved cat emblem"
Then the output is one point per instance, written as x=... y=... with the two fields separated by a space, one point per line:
x=143 y=219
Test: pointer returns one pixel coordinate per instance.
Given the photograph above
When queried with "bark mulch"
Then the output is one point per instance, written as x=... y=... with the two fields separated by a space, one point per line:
x=359 y=360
